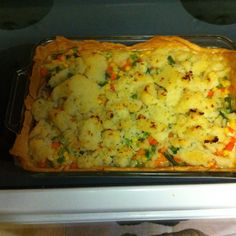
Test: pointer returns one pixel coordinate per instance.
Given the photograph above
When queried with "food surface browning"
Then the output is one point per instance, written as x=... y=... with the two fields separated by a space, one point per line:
x=165 y=104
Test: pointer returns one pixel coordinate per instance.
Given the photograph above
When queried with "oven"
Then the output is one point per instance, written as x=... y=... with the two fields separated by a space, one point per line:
x=27 y=197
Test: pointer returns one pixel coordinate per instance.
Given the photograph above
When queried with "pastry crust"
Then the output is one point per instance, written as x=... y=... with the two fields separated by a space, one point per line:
x=61 y=44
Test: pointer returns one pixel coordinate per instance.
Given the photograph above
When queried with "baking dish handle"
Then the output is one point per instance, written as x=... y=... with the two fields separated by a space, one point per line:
x=15 y=107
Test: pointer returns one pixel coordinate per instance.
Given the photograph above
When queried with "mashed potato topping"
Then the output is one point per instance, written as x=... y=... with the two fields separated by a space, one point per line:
x=157 y=107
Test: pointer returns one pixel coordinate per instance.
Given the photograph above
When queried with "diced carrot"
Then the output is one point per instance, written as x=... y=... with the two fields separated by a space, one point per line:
x=160 y=159
x=109 y=69
x=231 y=88
x=73 y=165
x=112 y=87
x=163 y=149
x=212 y=165
x=210 y=93
x=233 y=139
x=222 y=89
x=152 y=141
x=230 y=145
x=56 y=144
x=231 y=130
x=219 y=153
x=42 y=164
x=111 y=73
x=140 y=152
x=60 y=57
x=43 y=72
x=177 y=159
x=127 y=65
x=113 y=76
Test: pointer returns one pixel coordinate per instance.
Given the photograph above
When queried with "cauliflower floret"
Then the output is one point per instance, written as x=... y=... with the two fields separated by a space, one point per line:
x=40 y=149
x=62 y=120
x=96 y=66
x=111 y=138
x=41 y=108
x=196 y=156
x=200 y=66
x=84 y=91
x=191 y=100
x=58 y=78
x=43 y=130
x=79 y=66
x=120 y=57
x=90 y=133
x=123 y=157
x=60 y=91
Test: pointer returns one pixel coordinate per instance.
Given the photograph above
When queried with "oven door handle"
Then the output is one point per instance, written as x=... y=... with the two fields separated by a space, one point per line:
x=15 y=108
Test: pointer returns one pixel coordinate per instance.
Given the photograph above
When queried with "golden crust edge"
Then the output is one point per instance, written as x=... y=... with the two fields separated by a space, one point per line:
x=20 y=146
x=171 y=169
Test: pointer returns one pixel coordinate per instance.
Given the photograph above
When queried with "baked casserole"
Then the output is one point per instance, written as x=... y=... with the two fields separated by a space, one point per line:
x=162 y=105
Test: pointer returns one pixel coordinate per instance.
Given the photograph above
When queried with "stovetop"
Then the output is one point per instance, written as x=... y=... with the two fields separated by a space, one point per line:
x=25 y=23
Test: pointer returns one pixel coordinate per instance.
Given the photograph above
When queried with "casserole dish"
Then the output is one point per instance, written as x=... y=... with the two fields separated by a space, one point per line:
x=144 y=148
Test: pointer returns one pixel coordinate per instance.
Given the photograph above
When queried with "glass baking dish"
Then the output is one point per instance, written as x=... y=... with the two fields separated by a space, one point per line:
x=15 y=112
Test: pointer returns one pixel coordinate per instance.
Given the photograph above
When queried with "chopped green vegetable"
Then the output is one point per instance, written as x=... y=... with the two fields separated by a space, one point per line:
x=81 y=152
x=134 y=57
x=223 y=115
x=56 y=138
x=75 y=52
x=153 y=148
x=58 y=69
x=148 y=154
x=62 y=140
x=219 y=86
x=68 y=56
x=127 y=142
x=158 y=71
x=171 y=159
x=117 y=77
x=61 y=159
x=55 y=70
x=173 y=149
x=55 y=55
x=107 y=76
x=73 y=152
x=108 y=55
x=50 y=164
x=228 y=101
x=47 y=78
x=170 y=60
x=139 y=164
x=134 y=96
x=103 y=83
x=148 y=71
x=143 y=136
x=70 y=74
